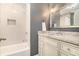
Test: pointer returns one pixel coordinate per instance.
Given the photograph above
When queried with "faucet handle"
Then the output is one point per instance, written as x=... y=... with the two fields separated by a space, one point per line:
x=2 y=39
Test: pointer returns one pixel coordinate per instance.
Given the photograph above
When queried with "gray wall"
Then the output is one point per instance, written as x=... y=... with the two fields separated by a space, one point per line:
x=36 y=20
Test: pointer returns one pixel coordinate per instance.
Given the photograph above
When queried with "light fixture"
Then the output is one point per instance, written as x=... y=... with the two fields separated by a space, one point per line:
x=45 y=14
x=53 y=10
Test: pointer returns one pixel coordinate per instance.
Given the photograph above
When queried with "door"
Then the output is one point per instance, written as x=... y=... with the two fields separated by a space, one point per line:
x=50 y=47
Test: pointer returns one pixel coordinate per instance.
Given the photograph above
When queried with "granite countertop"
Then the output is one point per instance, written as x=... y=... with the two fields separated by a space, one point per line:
x=69 y=37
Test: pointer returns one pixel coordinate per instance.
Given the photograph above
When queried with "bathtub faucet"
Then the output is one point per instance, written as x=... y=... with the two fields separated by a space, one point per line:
x=2 y=39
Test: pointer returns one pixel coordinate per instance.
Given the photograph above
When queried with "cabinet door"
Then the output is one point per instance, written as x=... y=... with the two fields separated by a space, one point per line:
x=50 y=47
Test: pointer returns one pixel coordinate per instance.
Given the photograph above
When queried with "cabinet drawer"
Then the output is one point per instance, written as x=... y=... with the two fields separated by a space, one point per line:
x=51 y=41
x=65 y=53
x=70 y=48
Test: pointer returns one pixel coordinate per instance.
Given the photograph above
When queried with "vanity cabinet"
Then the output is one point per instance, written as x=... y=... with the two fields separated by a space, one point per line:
x=49 y=45
x=40 y=45
x=69 y=49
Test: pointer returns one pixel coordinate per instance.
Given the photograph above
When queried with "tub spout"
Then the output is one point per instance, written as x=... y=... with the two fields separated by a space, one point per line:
x=2 y=39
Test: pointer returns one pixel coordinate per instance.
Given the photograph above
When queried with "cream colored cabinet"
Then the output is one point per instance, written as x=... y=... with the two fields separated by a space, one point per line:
x=40 y=45
x=56 y=46
x=69 y=49
x=48 y=46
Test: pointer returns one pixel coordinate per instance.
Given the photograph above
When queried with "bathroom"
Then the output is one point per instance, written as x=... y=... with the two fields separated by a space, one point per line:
x=57 y=33
x=39 y=29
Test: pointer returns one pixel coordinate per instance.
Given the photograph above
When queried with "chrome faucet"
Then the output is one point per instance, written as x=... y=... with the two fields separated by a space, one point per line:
x=2 y=39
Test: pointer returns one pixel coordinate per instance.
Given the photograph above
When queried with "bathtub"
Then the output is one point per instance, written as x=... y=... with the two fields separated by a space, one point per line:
x=20 y=49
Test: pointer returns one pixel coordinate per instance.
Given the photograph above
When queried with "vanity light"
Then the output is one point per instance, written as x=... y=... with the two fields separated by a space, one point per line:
x=45 y=14
x=53 y=10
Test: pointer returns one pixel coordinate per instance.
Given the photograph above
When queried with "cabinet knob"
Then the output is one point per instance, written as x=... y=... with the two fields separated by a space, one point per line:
x=25 y=32
x=68 y=49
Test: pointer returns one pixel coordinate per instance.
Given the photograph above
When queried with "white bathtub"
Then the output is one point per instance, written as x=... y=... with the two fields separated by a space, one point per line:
x=20 y=49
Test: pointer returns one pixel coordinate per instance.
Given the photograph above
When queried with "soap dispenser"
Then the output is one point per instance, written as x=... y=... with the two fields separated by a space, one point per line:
x=43 y=25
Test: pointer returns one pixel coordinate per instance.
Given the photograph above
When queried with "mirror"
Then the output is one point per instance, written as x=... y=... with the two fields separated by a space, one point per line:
x=66 y=17
x=67 y=20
